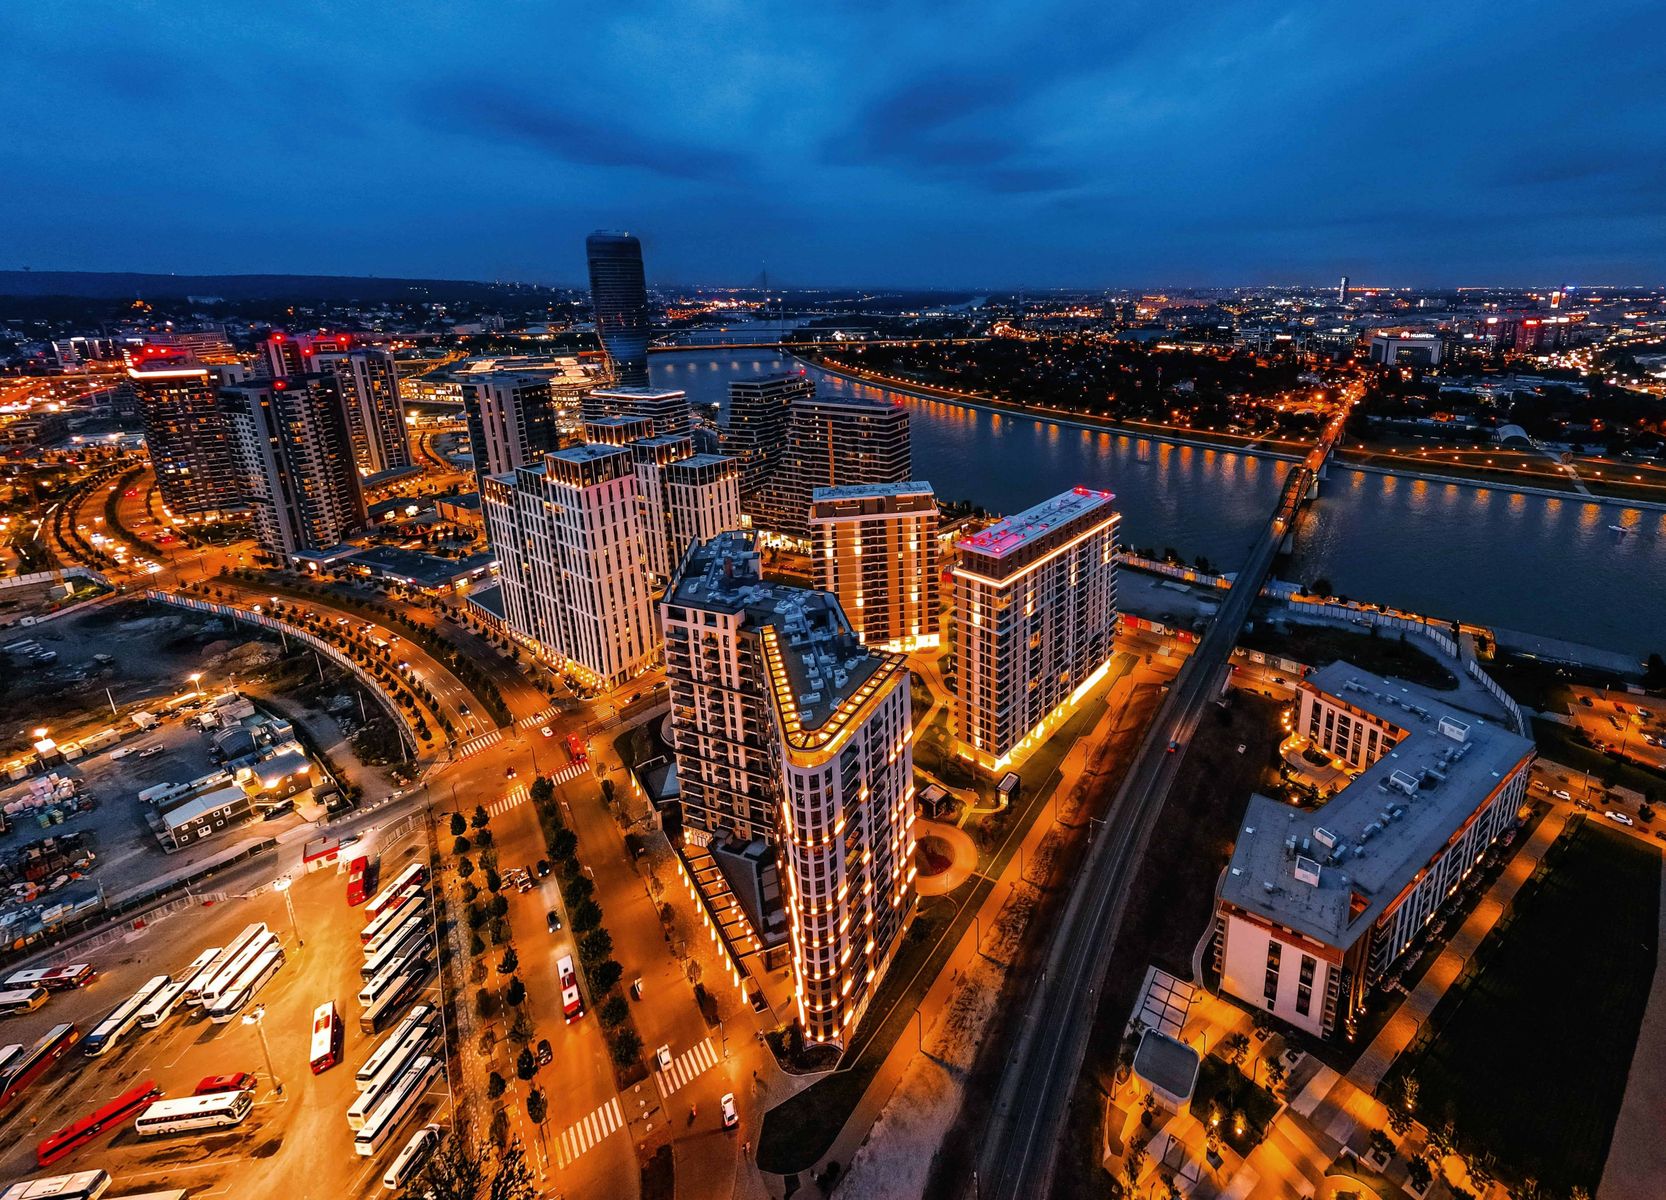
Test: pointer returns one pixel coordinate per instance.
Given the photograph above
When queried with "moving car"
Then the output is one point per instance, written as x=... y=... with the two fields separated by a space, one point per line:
x=731 y=1116
x=552 y=921
x=151 y=751
x=1562 y=794
x=509 y=772
x=1173 y=745
x=1619 y=818
x=547 y=731
x=545 y=1054
x=663 y=1057
x=543 y=867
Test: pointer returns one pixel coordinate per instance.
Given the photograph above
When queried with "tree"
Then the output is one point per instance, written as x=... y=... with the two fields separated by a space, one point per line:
x=486 y=1003
x=458 y=826
x=586 y=916
x=537 y=1107
x=595 y=946
x=516 y=993
x=1321 y=587
x=453 y=1172
x=510 y=961
x=461 y=846
x=525 y=1065
x=498 y=905
x=614 y=1011
x=480 y=819
x=520 y=1030
x=465 y=867
x=542 y=791
x=495 y=1086
x=604 y=975
x=513 y=1179
x=476 y=946
x=579 y=890
x=494 y=881
x=627 y=1047
x=500 y=1127
x=564 y=844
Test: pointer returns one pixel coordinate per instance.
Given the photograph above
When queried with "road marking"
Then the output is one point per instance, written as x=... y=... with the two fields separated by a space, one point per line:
x=515 y=798
x=686 y=1067
x=583 y=1134
x=570 y=771
x=543 y=718
x=476 y=745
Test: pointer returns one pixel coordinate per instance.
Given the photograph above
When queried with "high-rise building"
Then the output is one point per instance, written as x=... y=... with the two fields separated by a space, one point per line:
x=832 y=441
x=876 y=550
x=667 y=408
x=702 y=500
x=188 y=437
x=619 y=296
x=1342 y=291
x=789 y=732
x=296 y=461
x=755 y=426
x=568 y=540
x=512 y=420
x=370 y=399
x=617 y=431
x=650 y=456
x=1035 y=616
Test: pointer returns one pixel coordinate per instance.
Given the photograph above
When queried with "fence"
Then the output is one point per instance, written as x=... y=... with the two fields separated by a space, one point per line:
x=59 y=576
x=401 y=722
x=1517 y=719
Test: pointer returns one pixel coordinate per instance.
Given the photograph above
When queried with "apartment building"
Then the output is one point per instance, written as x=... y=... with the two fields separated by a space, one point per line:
x=370 y=399
x=876 y=550
x=832 y=441
x=666 y=408
x=755 y=425
x=188 y=436
x=512 y=420
x=702 y=500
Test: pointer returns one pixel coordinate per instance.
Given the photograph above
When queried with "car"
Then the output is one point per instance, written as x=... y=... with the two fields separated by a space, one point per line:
x=509 y=772
x=463 y=710
x=1661 y=834
x=663 y=1057
x=545 y=1054
x=522 y=883
x=1173 y=745
x=237 y=1081
x=151 y=751
x=547 y=731
x=1562 y=794
x=1619 y=818
x=543 y=867
x=731 y=1115
x=636 y=988
x=1586 y=701
x=552 y=921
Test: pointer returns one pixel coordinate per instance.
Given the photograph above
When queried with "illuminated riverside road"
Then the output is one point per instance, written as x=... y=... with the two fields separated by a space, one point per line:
x=1540 y=564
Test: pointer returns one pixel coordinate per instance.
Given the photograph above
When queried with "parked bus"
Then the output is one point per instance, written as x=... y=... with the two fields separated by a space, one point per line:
x=244 y=949
x=393 y=1067
x=200 y=971
x=405 y=903
x=235 y=999
x=382 y=1011
x=572 y=1004
x=9 y=1055
x=388 y=1046
x=387 y=979
x=113 y=1028
x=410 y=1160
x=394 y=945
x=416 y=910
x=398 y=1108
x=161 y=1006
x=327 y=1036
x=83 y=1185
x=357 y=870
x=40 y=1058
x=22 y=1000
x=78 y=1133
x=414 y=875
x=53 y=979
x=216 y=1110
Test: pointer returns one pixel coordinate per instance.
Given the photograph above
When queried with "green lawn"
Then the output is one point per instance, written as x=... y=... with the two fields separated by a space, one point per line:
x=1528 y=1056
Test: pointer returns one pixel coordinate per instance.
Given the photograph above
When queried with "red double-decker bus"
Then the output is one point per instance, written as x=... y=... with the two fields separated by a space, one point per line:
x=40 y=1058
x=77 y=1134
x=357 y=870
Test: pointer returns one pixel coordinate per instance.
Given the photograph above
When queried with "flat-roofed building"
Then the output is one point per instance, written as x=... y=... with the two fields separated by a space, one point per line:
x=876 y=550
x=650 y=456
x=702 y=500
x=512 y=420
x=667 y=408
x=188 y=436
x=371 y=400
x=1035 y=606
x=832 y=441
x=755 y=425
x=1317 y=906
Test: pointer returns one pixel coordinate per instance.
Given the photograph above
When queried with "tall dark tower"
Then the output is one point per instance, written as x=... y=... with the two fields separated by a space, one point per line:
x=619 y=295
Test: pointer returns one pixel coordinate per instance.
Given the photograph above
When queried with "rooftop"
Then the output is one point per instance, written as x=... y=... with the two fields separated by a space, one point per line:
x=1331 y=872
x=1007 y=536
x=585 y=452
x=856 y=491
x=642 y=393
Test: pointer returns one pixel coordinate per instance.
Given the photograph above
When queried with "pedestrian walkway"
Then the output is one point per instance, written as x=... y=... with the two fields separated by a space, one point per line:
x=541 y=718
x=515 y=797
x=477 y=744
x=571 y=771
x=686 y=1068
x=581 y=1135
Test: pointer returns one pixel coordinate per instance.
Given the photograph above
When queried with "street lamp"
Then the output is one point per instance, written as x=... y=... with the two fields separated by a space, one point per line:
x=282 y=887
x=257 y=1018
x=196 y=681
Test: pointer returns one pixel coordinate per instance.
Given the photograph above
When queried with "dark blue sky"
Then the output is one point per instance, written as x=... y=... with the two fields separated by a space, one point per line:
x=976 y=145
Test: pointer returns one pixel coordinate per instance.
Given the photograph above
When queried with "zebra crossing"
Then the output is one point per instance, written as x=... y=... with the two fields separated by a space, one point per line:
x=686 y=1067
x=570 y=771
x=543 y=718
x=514 y=798
x=581 y=1135
x=476 y=744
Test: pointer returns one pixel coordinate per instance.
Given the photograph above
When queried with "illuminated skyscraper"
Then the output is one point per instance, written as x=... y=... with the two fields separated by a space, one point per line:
x=188 y=436
x=619 y=296
x=832 y=441
x=513 y=420
x=876 y=550
x=755 y=427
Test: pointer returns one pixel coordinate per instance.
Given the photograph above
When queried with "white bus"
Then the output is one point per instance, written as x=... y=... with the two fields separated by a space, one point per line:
x=386 y=980
x=414 y=940
x=53 y=979
x=122 y=1018
x=415 y=874
x=398 y=1107
x=233 y=1000
x=387 y=1046
x=393 y=1068
x=10 y=1055
x=393 y=916
x=216 y=1110
x=21 y=1000
x=406 y=983
x=201 y=970
x=409 y=1161
x=83 y=1185
x=410 y=918
x=250 y=945
x=162 y=1005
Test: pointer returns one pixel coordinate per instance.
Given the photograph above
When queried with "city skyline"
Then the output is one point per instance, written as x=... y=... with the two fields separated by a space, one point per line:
x=1260 y=144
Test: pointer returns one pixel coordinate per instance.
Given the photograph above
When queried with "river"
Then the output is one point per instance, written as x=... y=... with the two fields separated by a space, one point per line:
x=1538 y=564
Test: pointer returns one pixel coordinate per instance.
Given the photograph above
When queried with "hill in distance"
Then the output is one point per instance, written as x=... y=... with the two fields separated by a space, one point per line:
x=125 y=285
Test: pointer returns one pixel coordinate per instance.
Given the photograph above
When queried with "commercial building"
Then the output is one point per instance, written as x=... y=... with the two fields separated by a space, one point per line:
x=790 y=733
x=619 y=296
x=295 y=459
x=512 y=420
x=188 y=437
x=665 y=408
x=702 y=500
x=832 y=441
x=569 y=544
x=1406 y=349
x=1035 y=604
x=755 y=425
x=876 y=550
x=1318 y=906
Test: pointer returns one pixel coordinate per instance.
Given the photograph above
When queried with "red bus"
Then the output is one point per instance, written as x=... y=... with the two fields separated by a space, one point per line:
x=37 y=1061
x=53 y=979
x=576 y=749
x=356 y=872
x=326 y=1037
x=572 y=1004
x=71 y=1137
x=412 y=875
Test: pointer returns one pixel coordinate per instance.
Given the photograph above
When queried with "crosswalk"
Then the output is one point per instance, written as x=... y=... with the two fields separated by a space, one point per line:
x=476 y=744
x=581 y=1135
x=543 y=718
x=687 y=1067
x=570 y=771
x=513 y=798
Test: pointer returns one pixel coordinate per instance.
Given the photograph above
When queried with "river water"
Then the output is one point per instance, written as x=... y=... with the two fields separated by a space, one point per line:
x=1538 y=564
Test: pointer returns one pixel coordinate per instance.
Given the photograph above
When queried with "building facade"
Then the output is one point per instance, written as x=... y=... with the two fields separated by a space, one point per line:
x=569 y=544
x=832 y=441
x=375 y=413
x=512 y=420
x=1318 y=906
x=876 y=550
x=665 y=408
x=295 y=459
x=650 y=456
x=189 y=438
x=1035 y=605
x=755 y=427
x=787 y=729
x=619 y=297
x=702 y=500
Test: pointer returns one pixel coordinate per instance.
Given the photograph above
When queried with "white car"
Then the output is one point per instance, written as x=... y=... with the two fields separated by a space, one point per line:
x=1562 y=794
x=1619 y=818
x=547 y=731
x=663 y=1056
x=731 y=1116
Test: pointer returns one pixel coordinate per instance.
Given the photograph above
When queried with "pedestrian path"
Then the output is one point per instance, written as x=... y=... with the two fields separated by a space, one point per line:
x=581 y=1135
x=476 y=744
x=570 y=771
x=687 y=1067
x=515 y=797
x=542 y=718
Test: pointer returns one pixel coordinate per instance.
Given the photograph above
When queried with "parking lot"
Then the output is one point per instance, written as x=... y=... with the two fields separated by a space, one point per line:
x=297 y=1143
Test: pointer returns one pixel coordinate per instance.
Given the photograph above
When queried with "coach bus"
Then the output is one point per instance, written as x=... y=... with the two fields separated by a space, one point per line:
x=40 y=1058
x=21 y=1000
x=200 y=971
x=112 y=1029
x=399 y=927
x=83 y=1185
x=398 y=1107
x=394 y=945
x=327 y=1037
x=234 y=999
x=216 y=1110
x=161 y=1005
x=381 y=1011
x=414 y=875
x=388 y=1046
x=406 y=1051
x=78 y=1133
x=244 y=949
x=407 y=902
x=53 y=979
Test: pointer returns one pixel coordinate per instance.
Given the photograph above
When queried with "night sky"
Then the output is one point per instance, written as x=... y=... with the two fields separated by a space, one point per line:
x=861 y=143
